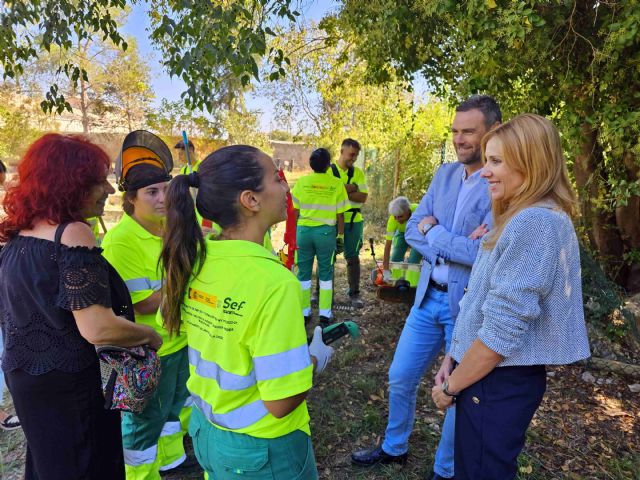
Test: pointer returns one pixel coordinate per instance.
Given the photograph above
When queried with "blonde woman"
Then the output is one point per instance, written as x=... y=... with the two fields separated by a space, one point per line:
x=523 y=309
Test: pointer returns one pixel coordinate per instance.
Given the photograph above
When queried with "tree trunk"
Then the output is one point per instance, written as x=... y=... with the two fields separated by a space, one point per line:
x=84 y=106
x=628 y=221
x=396 y=174
x=84 y=87
x=129 y=119
x=606 y=365
x=600 y=224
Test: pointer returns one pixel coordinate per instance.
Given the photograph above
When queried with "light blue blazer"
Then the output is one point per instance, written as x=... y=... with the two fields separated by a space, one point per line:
x=453 y=245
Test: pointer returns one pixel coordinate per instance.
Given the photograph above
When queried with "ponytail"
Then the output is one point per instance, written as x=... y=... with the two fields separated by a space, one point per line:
x=183 y=250
x=220 y=179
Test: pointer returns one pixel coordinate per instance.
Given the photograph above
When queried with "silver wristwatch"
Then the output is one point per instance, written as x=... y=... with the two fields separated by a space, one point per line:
x=428 y=227
x=445 y=389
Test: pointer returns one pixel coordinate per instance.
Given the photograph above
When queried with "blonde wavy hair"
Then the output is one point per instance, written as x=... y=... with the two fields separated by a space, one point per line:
x=531 y=146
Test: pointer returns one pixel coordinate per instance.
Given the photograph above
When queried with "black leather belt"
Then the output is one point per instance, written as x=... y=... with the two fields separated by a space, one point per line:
x=441 y=287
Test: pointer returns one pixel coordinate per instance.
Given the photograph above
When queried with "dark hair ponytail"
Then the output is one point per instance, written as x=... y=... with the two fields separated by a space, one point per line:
x=183 y=250
x=221 y=177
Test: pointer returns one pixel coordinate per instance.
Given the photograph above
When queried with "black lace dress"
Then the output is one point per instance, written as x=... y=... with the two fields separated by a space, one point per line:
x=51 y=370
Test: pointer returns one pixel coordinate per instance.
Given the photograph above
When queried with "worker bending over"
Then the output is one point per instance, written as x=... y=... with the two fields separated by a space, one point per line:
x=396 y=246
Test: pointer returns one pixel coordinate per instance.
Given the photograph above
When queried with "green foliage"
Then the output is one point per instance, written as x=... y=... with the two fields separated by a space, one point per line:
x=401 y=133
x=28 y=27
x=114 y=89
x=171 y=118
x=602 y=298
x=21 y=122
x=242 y=128
x=280 y=135
x=127 y=85
x=575 y=61
x=14 y=130
x=203 y=42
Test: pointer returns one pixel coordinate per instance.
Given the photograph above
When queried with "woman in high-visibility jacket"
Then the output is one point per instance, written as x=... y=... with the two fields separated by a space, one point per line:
x=400 y=210
x=320 y=201
x=153 y=439
x=250 y=366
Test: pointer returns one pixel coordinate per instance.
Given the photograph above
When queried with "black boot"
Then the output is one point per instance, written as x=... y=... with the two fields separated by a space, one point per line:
x=353 y=277
x=376 y=455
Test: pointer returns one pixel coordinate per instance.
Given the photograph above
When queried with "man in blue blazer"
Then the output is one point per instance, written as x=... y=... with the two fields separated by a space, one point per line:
x=446 y=229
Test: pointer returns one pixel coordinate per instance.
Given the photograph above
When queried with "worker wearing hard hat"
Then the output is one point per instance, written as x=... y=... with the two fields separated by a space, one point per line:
x=153 y=439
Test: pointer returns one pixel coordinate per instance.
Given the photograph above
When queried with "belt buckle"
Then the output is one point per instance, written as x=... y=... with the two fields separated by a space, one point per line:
x=439 y=286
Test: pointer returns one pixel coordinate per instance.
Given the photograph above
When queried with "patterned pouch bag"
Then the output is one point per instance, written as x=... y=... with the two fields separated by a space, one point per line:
x=129 y=376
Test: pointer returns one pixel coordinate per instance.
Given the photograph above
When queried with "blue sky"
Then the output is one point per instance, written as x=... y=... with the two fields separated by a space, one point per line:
x=171 y=88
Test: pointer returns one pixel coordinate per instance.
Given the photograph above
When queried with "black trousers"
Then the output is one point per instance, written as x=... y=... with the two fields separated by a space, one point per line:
x=492 y=417
x=70 y=436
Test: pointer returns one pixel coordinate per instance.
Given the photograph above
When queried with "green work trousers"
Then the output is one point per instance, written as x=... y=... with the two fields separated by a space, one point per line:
x=153 y=439
x=226 y=455
x=316 y=242
x=352 y=238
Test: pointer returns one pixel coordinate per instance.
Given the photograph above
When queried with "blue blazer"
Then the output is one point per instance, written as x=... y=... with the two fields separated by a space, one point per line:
x=453 y=245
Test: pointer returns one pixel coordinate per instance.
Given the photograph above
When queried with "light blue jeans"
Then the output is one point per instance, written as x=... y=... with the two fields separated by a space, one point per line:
x=423 y=335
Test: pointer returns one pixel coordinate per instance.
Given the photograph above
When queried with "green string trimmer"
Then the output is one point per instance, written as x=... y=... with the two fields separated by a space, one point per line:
x=338 y=330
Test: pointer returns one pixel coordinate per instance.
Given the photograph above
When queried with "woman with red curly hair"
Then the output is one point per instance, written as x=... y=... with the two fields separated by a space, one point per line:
x=58 y=298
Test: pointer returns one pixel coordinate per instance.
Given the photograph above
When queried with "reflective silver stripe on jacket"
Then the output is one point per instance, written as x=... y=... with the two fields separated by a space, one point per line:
x=278 y=365
x=213 y=371
x=143 y=283
x=241 y=417
x=326 y=221
x=318 y=206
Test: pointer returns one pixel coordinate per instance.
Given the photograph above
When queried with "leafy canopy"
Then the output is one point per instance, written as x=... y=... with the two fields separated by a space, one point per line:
x=201 y=41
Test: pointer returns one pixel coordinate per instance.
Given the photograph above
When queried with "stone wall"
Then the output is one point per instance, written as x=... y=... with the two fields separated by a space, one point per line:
x=291 y=156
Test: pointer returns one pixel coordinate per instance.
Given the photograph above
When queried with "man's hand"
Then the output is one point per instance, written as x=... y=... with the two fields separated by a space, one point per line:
x=479 y=232
x=426 y=221
x=445 y=370
x=350 y=187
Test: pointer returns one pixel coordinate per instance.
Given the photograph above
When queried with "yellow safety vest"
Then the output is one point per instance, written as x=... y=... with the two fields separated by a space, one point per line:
x=358 y=179
x=320 y=198
x=134 y=253
x=246 y=340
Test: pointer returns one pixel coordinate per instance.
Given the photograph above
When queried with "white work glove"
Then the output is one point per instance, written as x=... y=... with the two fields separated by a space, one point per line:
x=318 y=349
x=386 y=276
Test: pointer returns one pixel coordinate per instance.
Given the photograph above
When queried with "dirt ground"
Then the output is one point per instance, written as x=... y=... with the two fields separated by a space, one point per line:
x=588 y=426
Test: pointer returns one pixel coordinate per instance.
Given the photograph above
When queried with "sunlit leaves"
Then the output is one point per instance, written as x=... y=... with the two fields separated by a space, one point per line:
x=203 y=40
x=28 y=26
